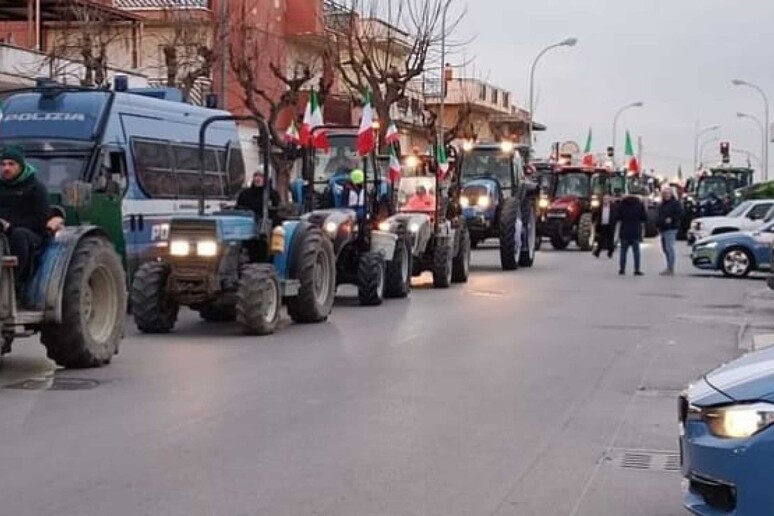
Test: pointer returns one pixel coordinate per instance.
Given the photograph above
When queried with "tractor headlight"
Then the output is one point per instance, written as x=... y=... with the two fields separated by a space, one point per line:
x=595 y=203
x=207 y=248
x=414 y=227
x=484 y=202
x=384 y=226
x=464 y=202
x=179 y=248
x=738 y=421
x=543 y=203
x=332 y=228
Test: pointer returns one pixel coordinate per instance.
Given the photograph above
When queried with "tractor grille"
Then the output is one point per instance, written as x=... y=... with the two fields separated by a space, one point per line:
x=474 y=192
x=193 y=273
x=193 y=230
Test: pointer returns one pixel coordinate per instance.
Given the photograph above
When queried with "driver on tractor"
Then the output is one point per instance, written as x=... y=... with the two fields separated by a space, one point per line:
x=24 y=209
x=421 y=200
x=354 y=190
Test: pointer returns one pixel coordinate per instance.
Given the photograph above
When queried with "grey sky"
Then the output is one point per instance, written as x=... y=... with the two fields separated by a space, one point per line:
x=677 y=56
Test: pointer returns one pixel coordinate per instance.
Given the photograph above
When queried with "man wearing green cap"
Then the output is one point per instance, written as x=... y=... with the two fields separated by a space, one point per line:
x=24 y=207
x=356 y=191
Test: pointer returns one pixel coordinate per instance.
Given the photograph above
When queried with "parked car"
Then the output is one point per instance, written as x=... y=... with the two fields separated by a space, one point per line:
x=736 y=254
x=748 y=216
x=726 y=438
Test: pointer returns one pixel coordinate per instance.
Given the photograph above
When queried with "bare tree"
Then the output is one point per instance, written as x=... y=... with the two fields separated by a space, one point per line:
x=386 y=46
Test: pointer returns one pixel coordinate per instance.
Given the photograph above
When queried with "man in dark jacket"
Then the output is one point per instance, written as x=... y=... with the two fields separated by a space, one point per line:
x=24 y=208
x=251 y=198
x=670 y=215
x=631 y=218
x=605 y=227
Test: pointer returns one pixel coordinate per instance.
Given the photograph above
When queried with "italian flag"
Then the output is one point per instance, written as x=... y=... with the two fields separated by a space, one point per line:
x=366 y=136
x=393 y=136
x=313 y=117
x=291 y=135
x=443 y=162
x=395 y=171
x=631 y=160
x=588 y=156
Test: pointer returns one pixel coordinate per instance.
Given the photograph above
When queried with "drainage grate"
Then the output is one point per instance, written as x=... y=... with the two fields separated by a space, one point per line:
x=54 y=384
x=644 y=460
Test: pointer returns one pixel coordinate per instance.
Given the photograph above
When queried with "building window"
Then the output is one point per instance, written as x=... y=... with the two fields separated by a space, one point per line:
x=495 y=93
x=482 y=92
x=506 y=100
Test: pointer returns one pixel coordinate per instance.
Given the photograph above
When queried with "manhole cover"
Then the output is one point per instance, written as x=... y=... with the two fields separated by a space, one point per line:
x=54 y=384
x=644 y=460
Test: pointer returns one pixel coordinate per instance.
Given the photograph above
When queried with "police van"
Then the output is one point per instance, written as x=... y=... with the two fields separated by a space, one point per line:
x=124 y=159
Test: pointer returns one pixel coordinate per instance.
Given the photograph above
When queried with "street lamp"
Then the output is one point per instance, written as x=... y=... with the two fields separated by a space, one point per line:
x=443 y=73
x=615 y=122
x=569 y=42
x=696 y=135
x=760 y=126
x=765 y=157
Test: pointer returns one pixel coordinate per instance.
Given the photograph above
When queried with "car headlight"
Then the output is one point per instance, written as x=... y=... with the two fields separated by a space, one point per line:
x=332 y=228
x=207 y=248
x=738 y=421
x=484 y=202
x=179 y=248
x=464 y=201
x=543 y=203
x=709 y=245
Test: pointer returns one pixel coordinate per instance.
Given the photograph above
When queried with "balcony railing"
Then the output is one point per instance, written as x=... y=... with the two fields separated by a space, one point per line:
x=154 y=5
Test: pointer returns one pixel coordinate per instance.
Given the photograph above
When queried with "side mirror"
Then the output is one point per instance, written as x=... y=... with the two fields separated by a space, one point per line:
x=76 y=194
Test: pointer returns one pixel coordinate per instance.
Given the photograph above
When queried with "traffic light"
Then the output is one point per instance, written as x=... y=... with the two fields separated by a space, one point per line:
x=610 y=152
x=725 y=152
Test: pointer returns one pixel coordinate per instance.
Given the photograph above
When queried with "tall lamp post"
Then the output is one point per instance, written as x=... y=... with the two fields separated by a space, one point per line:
x=765 y=157
x=569 y=42
x=760 y=126
x=696 y=135
x=443 y=74
x=615 y=122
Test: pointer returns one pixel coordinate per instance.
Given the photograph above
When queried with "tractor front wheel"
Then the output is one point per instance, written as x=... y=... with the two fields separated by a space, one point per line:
x=154 y=311
x=586 y=232
x=399 y=271
x=258 y=299
x=93 y=308
x=443 y=260
x=461 y=262
x=370 y=279
x=529 y=246
x=315 y=269
x=510 y=235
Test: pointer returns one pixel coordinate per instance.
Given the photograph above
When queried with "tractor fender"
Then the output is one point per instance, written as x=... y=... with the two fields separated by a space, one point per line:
x=44 y=292
x=281 y=261
x=340 y=225
x=417 y=226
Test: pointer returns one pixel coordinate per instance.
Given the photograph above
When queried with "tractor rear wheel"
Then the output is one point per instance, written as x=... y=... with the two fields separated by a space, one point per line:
x=153 y=310
x=442 y=263
x=510 y=235
x=370 y=279
x=258 y=299
x=529 y=246
x=399 y=271
x=315 y=268
x=93 y=308
x=586 y=232
x=461 y=262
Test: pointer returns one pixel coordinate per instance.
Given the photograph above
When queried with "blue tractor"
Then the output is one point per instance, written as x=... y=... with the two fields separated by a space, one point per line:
x=237 y=264
x=499 y=201
x=75 y=297
x=376 y=260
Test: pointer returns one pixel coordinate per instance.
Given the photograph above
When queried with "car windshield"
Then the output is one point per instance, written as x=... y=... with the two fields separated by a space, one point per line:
x=573 y=184
x=712 y=185
x=739 y=210
x=417 y=194
x=487 y=163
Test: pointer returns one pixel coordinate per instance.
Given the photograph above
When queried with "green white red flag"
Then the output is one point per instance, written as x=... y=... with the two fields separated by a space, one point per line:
x=396 y=171
x=632 y=165
x=443 y=162
x=313 y=117
x=588 y=155
x=366 y=136
x=392 y=136
x=292 y=135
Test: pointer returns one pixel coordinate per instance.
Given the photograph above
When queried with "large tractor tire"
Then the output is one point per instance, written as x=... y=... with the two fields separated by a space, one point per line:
x=218 y=312
x=370 y=279
x=510 y=235
x=560 y=241
x=529 y=244
x=586 y=232
x=461 y=262
x=258 y=299
x=443 y=260
x=93 y=308
x=399 y=271
x=153 y=310
x=314 y=266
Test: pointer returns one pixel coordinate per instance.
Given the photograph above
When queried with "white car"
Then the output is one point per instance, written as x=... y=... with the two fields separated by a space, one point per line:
x=748 y=216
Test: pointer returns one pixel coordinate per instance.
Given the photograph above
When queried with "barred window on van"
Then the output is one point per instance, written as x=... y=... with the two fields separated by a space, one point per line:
x=236 y=170
x=187 y=171
x=153 y=166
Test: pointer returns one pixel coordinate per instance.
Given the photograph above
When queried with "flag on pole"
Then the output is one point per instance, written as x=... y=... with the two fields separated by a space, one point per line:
x=443 y=162
x=313 y=118
x=631 y=160
x=366 y=137
x=291 y=135
x=396 y=170
x=588 y=156
x=393 y=136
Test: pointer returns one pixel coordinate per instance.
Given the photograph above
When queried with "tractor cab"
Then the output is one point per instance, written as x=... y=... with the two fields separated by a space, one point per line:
x=569 y=215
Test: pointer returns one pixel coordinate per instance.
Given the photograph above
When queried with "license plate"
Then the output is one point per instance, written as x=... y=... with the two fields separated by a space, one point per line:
x=557 y=215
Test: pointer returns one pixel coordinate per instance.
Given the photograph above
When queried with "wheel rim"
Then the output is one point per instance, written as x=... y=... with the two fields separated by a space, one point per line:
x=736 y=263
x=270 y=296
x=380 y=283
x=322 y=274
x=98 y=304
x=404 y=267
x=519 y=230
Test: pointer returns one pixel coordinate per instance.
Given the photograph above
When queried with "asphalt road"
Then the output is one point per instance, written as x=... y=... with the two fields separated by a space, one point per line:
x=548 y=391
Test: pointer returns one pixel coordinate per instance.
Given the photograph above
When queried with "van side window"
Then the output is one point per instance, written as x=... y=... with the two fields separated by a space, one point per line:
x=236 y=171
x=154 y=168
x=187 y=171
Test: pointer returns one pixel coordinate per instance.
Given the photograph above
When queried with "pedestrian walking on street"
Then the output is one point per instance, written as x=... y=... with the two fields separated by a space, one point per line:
x=605 y=227
x=670 y=215
x=631 y=218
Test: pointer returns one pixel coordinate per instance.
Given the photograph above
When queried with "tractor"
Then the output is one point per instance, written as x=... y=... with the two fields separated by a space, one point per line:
x=237 y=264
x=377 y=262
x=543 y=174
x=708 y=195
x=570 y=214
x=429 y=213
x=498 y=201
x=75 y=296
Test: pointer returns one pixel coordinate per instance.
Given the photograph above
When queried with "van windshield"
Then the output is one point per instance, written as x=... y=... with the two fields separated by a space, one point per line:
x=57 y=161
